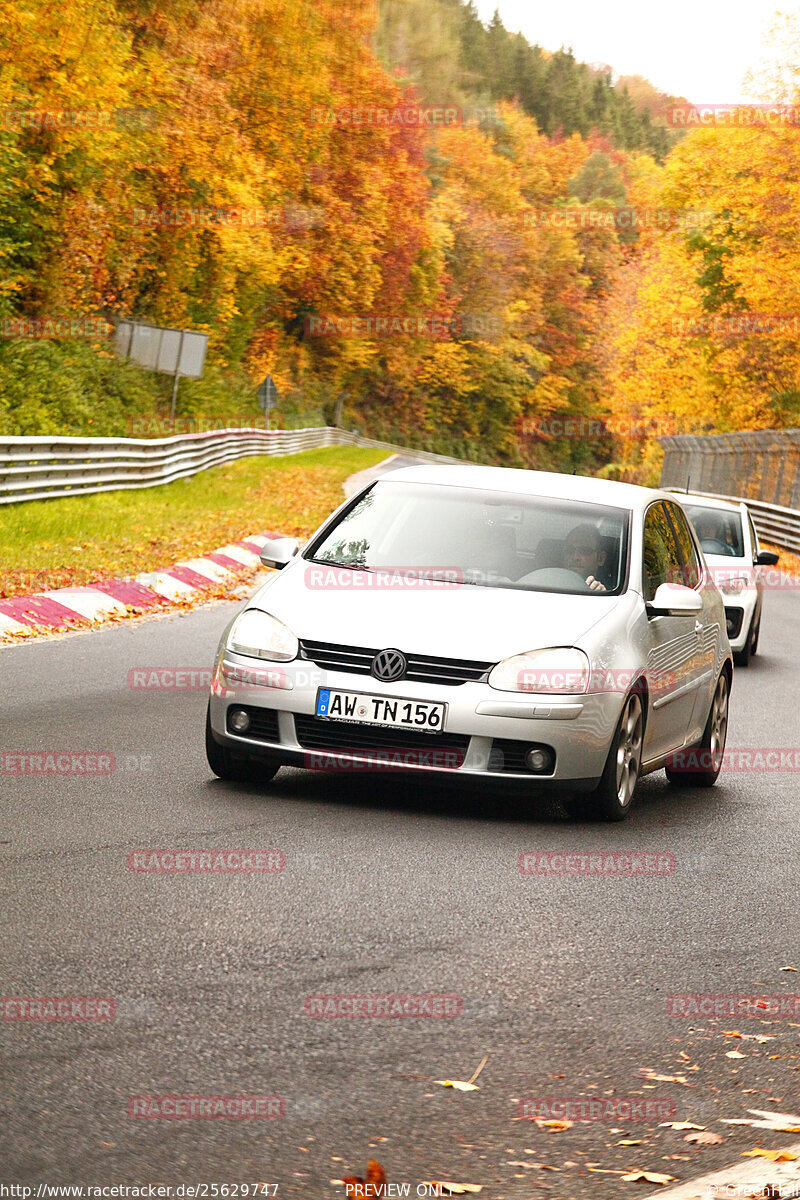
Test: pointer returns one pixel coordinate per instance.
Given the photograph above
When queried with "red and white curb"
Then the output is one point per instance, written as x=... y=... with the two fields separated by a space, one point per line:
x=71 y=607
x=759 y=1177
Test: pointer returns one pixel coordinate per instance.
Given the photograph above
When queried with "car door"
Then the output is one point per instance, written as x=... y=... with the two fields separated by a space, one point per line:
x=707 y=625
x=753 y=554
x=672 y=641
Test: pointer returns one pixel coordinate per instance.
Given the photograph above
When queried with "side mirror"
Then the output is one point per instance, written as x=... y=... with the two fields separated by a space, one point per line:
x=278 y=552
x=767 y=558
x=674 y=600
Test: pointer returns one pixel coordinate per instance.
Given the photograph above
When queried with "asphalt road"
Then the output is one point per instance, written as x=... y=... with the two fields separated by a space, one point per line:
x=390 y=886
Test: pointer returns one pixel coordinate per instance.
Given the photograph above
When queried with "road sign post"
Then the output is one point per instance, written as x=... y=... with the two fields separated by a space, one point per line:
x=267 y=398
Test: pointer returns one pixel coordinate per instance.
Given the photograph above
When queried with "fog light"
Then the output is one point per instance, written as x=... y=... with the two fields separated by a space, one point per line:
x=537 y=760
x=731 y=624
x=239 y=720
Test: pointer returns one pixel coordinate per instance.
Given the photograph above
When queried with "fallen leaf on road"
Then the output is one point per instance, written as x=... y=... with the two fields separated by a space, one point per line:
x=470 y=1085
x=788 y=968
x=630 y=1142
x=704 y=1139
x=453 y=1189
x=647 y=1177
x=649 y=1073
x=679 y=1125
x=782 y=1122
x=373 y=1185
x=554 y=1126
x=529 y=1166
x=735 y=1054
x=772 y=1155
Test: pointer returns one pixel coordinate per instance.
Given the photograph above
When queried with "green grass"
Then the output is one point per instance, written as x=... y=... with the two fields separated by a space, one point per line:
x=55 y=543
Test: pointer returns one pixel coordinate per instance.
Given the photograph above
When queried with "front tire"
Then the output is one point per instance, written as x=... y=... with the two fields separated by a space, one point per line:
x=226 y=765
x=742 y=657
x=612 y=798
x=705 y=760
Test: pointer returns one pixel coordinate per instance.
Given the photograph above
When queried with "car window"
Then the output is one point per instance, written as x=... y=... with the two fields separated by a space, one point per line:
x=718 y=531
x=661 y=560
x=481 y=537
x=753 y=534
x=691 y=563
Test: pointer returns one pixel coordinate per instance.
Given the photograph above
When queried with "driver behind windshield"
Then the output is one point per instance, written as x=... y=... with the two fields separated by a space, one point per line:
x=710 y=532
x=584 y=554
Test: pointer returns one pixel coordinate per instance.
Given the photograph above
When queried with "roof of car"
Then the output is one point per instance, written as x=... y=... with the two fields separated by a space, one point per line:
x=708 y=502
x=532 y=483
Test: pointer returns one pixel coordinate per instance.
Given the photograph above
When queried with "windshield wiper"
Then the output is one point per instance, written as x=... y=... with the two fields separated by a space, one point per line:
x=330 y=562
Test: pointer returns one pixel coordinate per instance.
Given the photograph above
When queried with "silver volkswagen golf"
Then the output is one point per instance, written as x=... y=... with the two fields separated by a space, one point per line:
x=483 y=623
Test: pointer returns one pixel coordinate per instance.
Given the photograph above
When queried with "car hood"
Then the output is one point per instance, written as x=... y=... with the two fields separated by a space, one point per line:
x=455 y=621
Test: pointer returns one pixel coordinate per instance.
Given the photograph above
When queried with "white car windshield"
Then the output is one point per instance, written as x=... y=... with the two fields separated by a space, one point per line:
x=490 y=539
x=719 y=532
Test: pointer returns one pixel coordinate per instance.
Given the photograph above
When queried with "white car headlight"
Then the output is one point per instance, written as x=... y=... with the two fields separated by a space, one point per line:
x=258 y=635
x=733 y=585
x=563 y=669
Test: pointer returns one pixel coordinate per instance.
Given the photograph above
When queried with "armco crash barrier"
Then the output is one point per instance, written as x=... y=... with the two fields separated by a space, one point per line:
x=42 y=468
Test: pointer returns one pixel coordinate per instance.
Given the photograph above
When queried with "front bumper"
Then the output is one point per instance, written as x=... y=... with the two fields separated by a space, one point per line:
x=486 y=732
x=739 y=610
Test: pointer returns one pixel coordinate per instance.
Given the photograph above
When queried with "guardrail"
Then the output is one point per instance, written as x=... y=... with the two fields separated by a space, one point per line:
x=41 y=468
x=758 y=466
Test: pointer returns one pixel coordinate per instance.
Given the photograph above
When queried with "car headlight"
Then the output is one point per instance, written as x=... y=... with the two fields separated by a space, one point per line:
x=733 y=585
x=258 y=635
x=563 y=669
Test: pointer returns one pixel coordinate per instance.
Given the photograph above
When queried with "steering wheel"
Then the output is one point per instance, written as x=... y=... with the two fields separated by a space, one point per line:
x=556 y=579
x=712 y=546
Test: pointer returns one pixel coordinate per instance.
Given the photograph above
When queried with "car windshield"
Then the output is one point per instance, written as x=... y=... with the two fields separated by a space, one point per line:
x=718 y=531
x=472 y=536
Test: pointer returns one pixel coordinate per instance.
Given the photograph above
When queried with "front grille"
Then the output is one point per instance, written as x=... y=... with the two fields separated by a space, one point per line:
x=733 y=620
x=509 y=756
x=263 y=723
x=421 y=668
x=427 y=749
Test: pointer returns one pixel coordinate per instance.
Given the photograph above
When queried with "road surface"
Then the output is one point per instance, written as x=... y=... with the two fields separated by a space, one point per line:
x=390 y=886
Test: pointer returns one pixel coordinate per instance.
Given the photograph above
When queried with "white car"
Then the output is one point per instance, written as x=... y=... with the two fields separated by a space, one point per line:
x=730 y=545
x=483 y=623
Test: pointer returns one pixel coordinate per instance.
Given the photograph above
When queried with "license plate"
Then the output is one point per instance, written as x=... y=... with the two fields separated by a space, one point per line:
x=392 y=711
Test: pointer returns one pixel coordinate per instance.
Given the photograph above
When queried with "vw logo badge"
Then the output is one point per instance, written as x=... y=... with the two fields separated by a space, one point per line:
x=389 y=664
